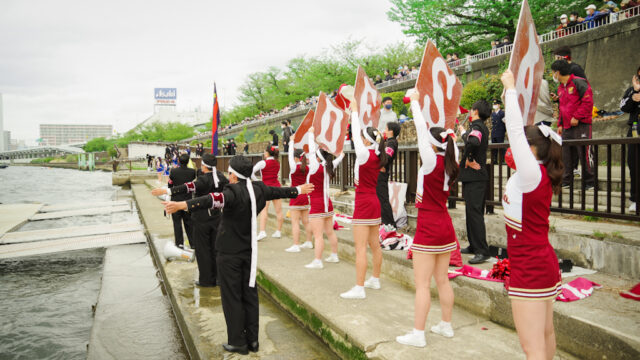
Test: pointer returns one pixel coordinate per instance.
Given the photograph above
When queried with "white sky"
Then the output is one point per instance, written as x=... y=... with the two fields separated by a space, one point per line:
x=97 y=62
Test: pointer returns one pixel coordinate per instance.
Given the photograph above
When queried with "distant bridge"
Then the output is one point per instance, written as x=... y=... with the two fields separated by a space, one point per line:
x=37 y=152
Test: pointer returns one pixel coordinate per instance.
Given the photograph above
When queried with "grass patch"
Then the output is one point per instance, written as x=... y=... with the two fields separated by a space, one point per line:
x=616 y=235
x=590 y=218
x=342 y=347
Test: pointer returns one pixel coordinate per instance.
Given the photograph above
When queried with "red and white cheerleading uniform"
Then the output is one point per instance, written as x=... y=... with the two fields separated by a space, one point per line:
x=320 y=203
x=297 y=177
x=535 y=273
x=367 y=205
x=269 y=169
x=434 y=231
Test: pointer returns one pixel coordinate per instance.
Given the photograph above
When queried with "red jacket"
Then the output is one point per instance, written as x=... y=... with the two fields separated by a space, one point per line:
x=576 y=101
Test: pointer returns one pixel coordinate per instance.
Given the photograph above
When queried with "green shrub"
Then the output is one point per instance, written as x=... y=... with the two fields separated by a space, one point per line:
x=42 y=160
x=474 y=91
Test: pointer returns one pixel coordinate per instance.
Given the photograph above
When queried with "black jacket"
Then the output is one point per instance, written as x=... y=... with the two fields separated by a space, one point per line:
x=577 y=70
x=629 y=106
x=203 y=185
x=475 y=149
x=286 y=135
x=391 y=143
x=234 y=232
x=498 y=128
x=179 y=176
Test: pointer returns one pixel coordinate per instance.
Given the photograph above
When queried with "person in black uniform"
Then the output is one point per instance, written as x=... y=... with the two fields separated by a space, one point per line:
x=231 y=147
x=474 y=178
x=178 y=176
x=498 y=130
x=389 y=150
x=205 y=222
x=237 y=246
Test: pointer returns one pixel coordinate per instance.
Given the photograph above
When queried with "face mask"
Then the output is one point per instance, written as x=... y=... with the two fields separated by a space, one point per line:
x=564 y=21
x=388 y=106
x=555 y=79
x=496 y=107
x=572 y=18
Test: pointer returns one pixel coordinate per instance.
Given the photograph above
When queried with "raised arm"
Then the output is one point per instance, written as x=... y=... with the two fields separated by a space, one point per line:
x=526 y=163
x=338 y=160
x=258 y=167
x=292 y=162
x=362 y=153
x=427 y=155
x=314 y=165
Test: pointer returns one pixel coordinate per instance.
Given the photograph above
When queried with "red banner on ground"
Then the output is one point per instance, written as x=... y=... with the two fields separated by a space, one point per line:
x=330 y=125
x=300 y=138
x=439 y=87
x=527 y=64
x=368 y=99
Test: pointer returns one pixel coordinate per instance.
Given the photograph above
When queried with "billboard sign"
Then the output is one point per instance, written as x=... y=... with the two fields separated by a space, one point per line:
x=165 y=96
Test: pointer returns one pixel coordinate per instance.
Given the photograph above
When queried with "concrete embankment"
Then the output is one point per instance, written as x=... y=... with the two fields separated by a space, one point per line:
x=198 y=311
x=14 y=215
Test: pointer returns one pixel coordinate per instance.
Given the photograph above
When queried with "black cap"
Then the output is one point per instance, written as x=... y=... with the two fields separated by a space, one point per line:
x=241 y=165
x=497 y=102
x=209 y=160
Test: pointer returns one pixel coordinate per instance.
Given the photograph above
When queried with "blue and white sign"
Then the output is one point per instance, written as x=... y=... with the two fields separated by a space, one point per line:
x=165 y=96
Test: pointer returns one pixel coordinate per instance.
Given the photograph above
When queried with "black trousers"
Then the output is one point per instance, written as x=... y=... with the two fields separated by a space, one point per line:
x=382 y=191
x=204 y=236
x=179 y=218
x=571 y=154
x=474 y=202
x=632 y=162
x=239 y=301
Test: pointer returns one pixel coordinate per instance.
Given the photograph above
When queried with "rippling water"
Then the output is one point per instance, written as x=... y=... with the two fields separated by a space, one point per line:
x=46 y=300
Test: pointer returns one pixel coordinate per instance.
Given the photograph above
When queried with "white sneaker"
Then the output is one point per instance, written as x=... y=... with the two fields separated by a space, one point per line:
x=306 y=245
x=632 y=207
x=372 y=283
x=315 y=264
x=276 y=234
x=293 y=248
x=333 y=258
x=356 y=292
x=576 y=172
x=413 y=338
x=261 y=235
x=443 y=328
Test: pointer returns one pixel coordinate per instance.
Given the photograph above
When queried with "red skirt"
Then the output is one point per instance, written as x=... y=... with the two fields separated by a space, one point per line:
x=434 y=233
x=535 y=273
x=367 y=209
x=299 y=203
x=317 y=208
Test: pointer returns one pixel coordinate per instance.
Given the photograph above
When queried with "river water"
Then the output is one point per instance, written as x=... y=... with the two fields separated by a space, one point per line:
x=46 y=301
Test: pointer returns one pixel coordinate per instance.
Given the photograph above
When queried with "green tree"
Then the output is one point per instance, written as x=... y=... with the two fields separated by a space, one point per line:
x=468 y=26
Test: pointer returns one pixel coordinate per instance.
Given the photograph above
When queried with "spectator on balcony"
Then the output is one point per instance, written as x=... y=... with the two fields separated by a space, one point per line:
x=574 y=20
x=544 y=111
x=561 y=30
x=387 y=76
x=448 y=59
x=414 y=70
x=378 y=80
x=494 y=47
x=387 y=114
x=274 y=140
x=594 y=18
x=574 y=121
x=627 y=4
x=630 y=103
x=564 y=53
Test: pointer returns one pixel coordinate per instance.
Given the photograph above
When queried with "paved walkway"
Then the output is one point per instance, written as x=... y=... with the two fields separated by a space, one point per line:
x=14 y=215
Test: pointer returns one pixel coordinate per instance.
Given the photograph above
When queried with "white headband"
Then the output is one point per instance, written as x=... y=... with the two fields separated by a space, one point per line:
x=365 y=133
x=443 y=135
x=549 y=133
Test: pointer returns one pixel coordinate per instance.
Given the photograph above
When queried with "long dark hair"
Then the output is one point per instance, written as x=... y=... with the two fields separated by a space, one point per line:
x=328 y=158
x=272 y=150
x=450 y=164
x=549 y=152
x=299 y=153
x=382 y=156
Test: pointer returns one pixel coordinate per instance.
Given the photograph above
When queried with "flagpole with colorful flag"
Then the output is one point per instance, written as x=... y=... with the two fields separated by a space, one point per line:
x=215 y=122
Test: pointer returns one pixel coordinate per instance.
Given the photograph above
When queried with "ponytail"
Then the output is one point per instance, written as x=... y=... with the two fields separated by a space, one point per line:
x=272 y=150
x=549 y=152
x=450 y=164
x=328 y=158
x=374 y=134
x=299 y=153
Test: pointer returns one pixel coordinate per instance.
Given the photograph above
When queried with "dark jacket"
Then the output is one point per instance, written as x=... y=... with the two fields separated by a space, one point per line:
x=179 y=176
x=629 y=106
x=476 y=142
x=391 y=150
x=286 y=135
x=274 y=142
x=498 y=128
x=203 y=185
x=234 y=232
x=577 y=70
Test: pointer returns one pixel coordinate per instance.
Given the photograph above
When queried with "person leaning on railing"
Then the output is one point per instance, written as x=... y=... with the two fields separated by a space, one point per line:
x=630 y=103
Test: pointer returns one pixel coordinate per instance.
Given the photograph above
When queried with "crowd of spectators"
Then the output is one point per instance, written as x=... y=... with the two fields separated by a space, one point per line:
x=594 y=17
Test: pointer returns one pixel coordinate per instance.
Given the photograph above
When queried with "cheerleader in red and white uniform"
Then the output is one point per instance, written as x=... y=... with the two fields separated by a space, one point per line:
x=535 y=275
x=435 y=237
x=321 y=170
x=366 y=213
x=298 y=207
x=269 y=169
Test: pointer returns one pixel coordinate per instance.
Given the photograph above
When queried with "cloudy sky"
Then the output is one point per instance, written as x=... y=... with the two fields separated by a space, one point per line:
x=97 y=62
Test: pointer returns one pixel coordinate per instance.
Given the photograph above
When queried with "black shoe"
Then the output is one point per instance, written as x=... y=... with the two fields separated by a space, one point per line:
x=566 y=186
x=243 y=350
x=466 y=250
x=253 y=346
x=479 y=259
x=205 y=285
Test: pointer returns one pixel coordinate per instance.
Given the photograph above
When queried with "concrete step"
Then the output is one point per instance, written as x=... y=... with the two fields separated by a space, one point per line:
x=68 y=232
x=360 y=329
x=81 y=212
x=602 y=326
x=82 y=205
x=613 y=248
